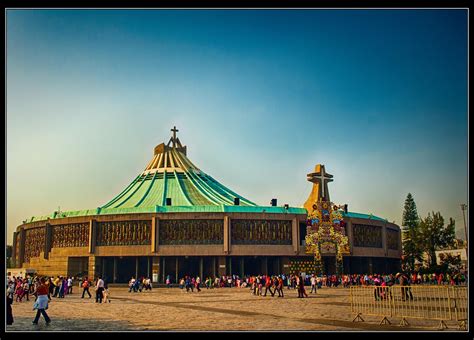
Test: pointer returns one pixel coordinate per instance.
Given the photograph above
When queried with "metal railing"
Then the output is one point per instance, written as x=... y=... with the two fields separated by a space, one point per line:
x=440 y=303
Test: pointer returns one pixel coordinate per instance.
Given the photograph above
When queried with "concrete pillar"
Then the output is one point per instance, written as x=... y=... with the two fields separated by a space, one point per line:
x=221 y=269
x=226 y=235
x=284 y=265
x=22 y=247
x=136 y=267
x=214 y=266
x=163 y=276
x=350 y=236
x=115 y=270
x=94 y=267
x=384 y=239
x=92 y=236
x=48 y=240
x=148 y=267
x=14 y=250
x=295 y=234
x=155 y=268
x=177 y=269
x=155 y=234
x=201 y=267
x=230 y=265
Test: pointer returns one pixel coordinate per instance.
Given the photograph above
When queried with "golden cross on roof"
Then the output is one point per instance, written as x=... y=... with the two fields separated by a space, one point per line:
x=323 y=178
x=174 y=135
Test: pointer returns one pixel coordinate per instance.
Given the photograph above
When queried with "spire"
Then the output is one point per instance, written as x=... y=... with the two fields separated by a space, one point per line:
x=320 y=179
x=173 y=139
x=176 y=144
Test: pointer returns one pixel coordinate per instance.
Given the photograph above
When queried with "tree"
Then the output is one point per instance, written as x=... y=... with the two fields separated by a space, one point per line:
x=410 y=233
x=433 y=235
x=450 y=263
x=9 y=253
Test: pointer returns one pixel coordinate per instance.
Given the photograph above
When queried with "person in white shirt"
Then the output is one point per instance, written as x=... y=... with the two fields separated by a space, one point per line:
x=99 y=289
x=131 y=283
x=313 y=284
x=69 y=285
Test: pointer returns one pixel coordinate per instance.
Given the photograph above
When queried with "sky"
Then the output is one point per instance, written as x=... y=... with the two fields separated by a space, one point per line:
x=259 y=97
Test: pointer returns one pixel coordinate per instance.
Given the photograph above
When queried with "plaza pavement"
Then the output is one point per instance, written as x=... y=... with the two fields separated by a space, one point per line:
x=222 y=309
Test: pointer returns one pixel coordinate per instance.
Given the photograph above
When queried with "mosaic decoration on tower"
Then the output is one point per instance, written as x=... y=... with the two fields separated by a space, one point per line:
x=123 y=233
x=191 y=232
x=367 y=236
x=71 y=235
x=261 y=232
x=392 y=239
x=326 y=234
x=34 y=242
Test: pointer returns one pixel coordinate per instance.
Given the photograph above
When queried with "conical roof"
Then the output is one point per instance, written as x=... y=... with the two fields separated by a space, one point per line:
x=170 y=174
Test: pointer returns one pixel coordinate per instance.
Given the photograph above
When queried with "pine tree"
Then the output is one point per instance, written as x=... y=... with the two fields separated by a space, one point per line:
x=433 y=235
x=410 y=232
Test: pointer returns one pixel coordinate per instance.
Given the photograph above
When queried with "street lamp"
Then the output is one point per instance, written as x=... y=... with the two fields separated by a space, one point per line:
x=464 y=208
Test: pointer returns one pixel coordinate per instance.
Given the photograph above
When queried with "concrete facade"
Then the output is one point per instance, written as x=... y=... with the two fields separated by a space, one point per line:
x=155 y=258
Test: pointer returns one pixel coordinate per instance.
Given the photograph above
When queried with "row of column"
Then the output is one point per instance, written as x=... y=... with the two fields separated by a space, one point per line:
x=19 y=253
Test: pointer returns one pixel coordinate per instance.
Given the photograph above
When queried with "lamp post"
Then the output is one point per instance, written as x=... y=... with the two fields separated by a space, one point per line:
x=464 y=208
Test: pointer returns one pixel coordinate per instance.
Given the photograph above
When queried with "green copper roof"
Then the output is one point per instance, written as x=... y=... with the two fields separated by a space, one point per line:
x=364 y=216
x=170 y=174
x=172 y=209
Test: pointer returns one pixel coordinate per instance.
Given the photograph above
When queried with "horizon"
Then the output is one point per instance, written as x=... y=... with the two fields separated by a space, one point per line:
x=259 y=98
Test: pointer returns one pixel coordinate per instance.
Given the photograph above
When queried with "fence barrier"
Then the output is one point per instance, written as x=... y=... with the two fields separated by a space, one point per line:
x=440 y=303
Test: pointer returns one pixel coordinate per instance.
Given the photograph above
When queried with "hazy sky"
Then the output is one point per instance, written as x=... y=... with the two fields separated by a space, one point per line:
x=259 y=97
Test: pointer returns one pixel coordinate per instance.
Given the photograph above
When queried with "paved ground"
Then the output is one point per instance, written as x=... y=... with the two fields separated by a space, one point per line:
x=224 y=309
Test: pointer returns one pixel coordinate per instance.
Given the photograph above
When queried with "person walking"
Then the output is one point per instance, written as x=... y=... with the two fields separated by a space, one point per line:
x=26 y=289
x=99 y=288
x=10 y=293
x=268 y=283
x=41 y=303
x=85 y=288
x=279 y=287
x=404 y=283
x=69 y=285
x=301 y=290
x=57 y=282
x=63 y=289
x=313 y=284
x=198 y=282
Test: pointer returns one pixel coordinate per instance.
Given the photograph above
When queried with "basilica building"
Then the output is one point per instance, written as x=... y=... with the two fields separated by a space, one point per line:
x=174 y=219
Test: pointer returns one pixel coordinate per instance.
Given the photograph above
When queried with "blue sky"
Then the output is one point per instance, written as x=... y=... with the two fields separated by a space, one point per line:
x=259 y=97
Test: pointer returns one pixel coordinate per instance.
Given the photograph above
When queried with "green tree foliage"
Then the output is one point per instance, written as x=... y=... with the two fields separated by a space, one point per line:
x=410 y=232
x=450 y=263
x=9 y=253
x=433 y=235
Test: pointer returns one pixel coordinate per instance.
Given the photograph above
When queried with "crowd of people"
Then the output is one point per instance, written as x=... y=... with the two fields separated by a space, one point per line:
x=143 y=283
x=262 y=284
x=44 y=289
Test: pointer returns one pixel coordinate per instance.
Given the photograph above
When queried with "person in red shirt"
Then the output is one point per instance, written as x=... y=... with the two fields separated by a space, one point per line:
x=41 y=303
x=268 y=283
x=440 y=278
